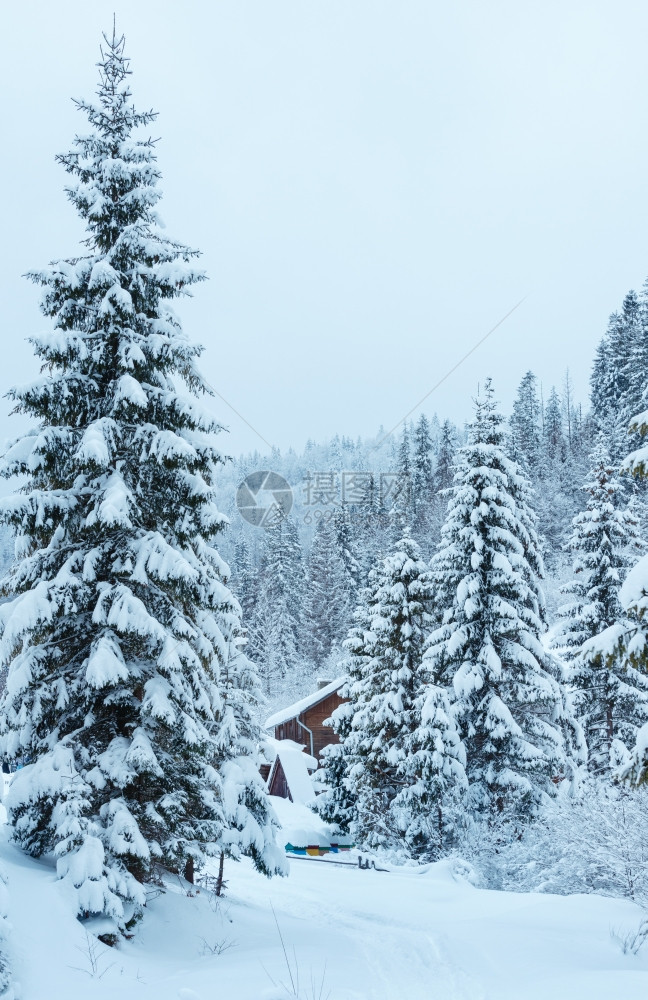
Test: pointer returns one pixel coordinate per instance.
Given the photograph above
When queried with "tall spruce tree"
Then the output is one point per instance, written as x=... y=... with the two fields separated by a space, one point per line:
x=611 y=695
x=342 y=522
x=431 y=773
x=370 y=531
x=422 y=477
x=526 y=426
x=557 y=482
x=444 y=468
x=120 y=634
x=629 y=645
x=401 y=514
x=618 y=372
x=635 y=369
x=327 y=599
x=399 y=748
x=555 y=445
x=244 y=578
x=442 y=480
x=489 y=648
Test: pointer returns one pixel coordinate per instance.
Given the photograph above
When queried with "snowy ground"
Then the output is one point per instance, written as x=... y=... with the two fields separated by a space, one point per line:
x=416 y=934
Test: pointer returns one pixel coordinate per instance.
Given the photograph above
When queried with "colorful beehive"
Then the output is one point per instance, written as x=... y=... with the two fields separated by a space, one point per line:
x=317 y=850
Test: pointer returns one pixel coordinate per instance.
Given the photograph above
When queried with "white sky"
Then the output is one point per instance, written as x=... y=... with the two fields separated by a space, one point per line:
x=373 y=184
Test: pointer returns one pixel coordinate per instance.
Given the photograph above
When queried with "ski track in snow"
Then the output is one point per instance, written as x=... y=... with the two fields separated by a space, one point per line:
x=429 y=973
x=389 y=945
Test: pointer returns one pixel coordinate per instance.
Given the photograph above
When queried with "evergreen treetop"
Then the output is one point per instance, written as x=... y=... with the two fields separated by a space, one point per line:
x=526 y=425
x=422 y=465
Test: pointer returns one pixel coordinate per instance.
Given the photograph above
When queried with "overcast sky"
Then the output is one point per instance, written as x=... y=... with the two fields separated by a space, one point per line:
x=373 y=186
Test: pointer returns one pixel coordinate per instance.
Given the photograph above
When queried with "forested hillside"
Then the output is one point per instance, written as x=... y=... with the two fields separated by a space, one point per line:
x=299 y=578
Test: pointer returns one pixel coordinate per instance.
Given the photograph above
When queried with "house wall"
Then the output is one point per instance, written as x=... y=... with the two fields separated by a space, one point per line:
x=291 y=731
x=313 y=718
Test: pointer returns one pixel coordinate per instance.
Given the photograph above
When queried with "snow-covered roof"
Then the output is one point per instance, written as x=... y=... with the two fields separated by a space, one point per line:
x=297 y=777
x=273 y=748
x=296 y=766
x=302 y=706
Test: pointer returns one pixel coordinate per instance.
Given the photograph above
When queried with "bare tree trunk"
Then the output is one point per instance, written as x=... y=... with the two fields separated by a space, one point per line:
x=219 y=881
x=189 y=870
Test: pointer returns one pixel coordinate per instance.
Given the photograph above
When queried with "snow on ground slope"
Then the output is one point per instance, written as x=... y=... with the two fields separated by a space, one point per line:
x=416 y=934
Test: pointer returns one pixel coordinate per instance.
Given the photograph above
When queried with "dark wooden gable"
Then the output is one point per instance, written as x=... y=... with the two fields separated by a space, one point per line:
x=277 y=784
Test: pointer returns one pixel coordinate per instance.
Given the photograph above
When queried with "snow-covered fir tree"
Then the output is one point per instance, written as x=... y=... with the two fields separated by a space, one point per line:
x=422 y=477
x=489 y=646
x=422 y=464
x=526 y=425
x=572 y=416
x=611 y=695
x=342 y=522
x=630 y=646
x=442 y=480
x=399 y=749
x=244 y=580
x=553 y=431
x=327 y=606
x=120 y=633
x=370 y=528
x=617 y=373
x=401 y=500
x=557 y=481
x=336 y=803
x=444 y=467
x=432 y=773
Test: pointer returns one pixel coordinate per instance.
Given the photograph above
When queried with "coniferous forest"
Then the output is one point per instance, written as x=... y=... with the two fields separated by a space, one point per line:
x=477 y=586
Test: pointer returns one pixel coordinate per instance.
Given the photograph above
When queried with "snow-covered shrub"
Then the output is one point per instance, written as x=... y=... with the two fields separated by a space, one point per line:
x=595 y=843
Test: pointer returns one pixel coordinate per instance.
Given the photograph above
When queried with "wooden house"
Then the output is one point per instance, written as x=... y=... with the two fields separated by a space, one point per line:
x=303 y=722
